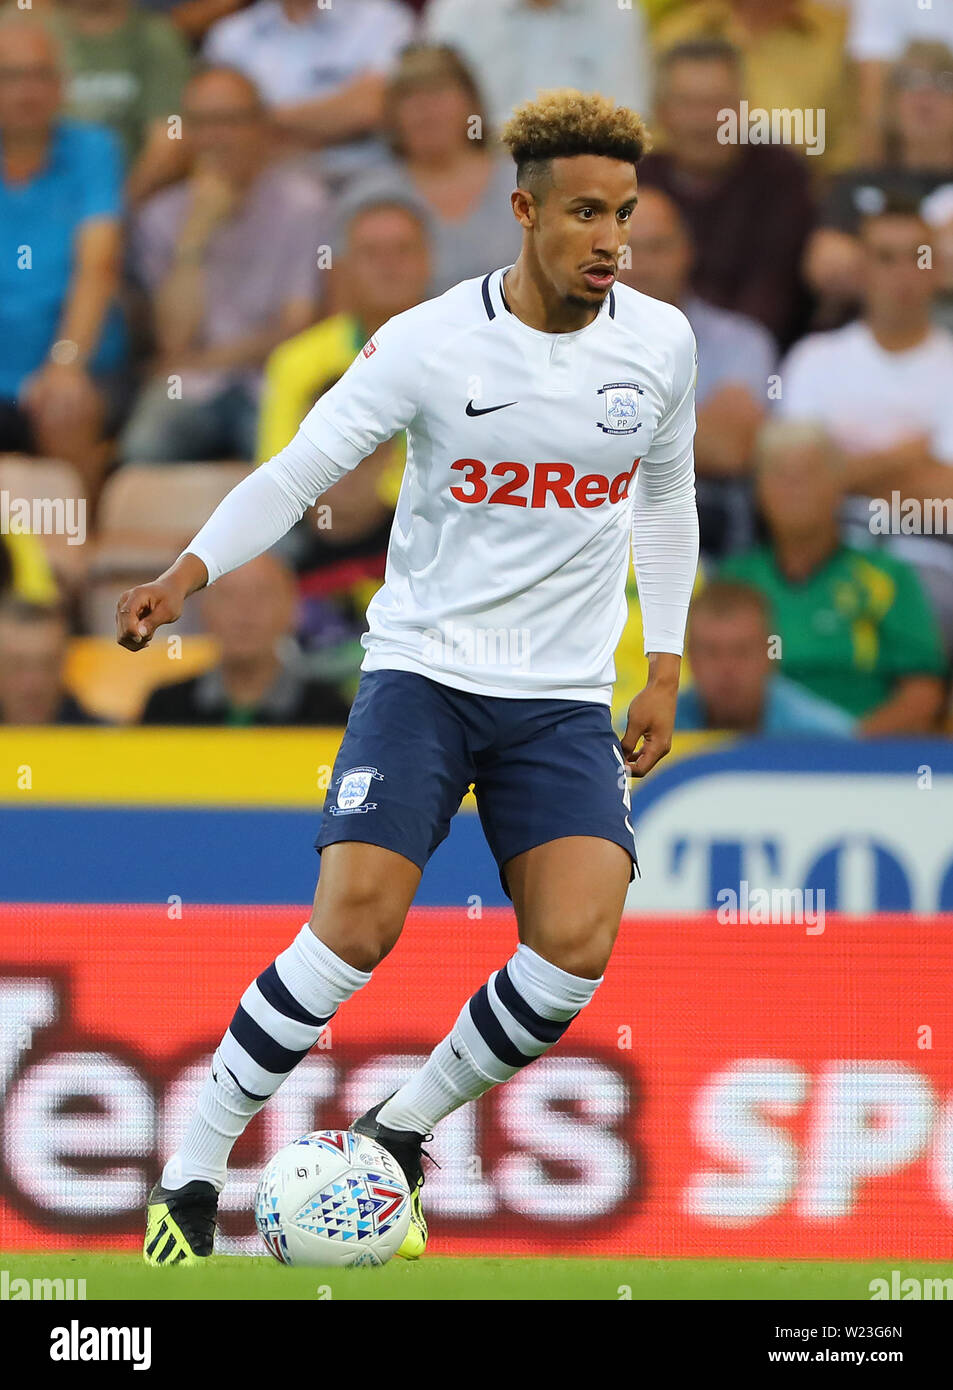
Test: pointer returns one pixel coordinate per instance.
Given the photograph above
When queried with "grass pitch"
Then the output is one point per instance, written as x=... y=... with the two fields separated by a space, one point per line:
x=125 y=1277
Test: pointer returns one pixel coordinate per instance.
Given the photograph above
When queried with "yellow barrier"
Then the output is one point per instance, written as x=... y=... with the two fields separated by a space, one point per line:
x=184 y=767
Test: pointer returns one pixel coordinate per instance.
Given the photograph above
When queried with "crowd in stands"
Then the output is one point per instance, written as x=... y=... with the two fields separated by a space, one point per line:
x=208 y=206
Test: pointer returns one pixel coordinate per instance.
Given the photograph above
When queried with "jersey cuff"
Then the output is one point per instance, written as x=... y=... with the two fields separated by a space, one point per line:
x=202 y=554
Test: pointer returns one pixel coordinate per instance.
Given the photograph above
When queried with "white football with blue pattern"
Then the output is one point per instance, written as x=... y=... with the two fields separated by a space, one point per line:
x=333 y=1198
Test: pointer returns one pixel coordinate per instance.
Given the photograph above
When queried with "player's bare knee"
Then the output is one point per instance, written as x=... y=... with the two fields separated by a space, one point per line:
x=583 y=951
x=360 y=925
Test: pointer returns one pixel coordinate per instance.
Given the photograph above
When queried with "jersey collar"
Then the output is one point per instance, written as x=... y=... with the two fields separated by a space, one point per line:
x=494 y=301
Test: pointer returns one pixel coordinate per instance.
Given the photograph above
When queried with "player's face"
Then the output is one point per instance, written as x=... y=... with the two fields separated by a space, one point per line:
x=581 y=224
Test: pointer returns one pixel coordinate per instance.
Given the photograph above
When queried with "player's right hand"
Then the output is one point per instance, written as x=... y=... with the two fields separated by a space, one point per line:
x=143 y=609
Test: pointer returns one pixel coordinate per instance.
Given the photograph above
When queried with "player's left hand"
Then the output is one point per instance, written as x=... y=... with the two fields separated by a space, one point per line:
x=651 y=719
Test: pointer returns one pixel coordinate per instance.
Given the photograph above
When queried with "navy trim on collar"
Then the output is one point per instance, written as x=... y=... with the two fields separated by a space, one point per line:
x=490 y=311
x=498 y=286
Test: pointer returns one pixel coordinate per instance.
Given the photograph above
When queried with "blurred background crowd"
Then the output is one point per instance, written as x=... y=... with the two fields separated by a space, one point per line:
x=208 y=206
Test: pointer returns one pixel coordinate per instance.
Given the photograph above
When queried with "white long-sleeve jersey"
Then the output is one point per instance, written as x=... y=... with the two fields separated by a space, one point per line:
x=533 y=458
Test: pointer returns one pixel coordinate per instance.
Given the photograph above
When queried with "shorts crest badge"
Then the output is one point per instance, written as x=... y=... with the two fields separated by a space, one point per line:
x=353 y=787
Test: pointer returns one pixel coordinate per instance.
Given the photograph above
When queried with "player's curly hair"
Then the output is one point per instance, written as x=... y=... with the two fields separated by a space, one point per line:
x=567 y=122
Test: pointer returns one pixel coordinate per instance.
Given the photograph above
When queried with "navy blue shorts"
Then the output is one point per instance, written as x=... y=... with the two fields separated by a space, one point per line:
x=540 y=769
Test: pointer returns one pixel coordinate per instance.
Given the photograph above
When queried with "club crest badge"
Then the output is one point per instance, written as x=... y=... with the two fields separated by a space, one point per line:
x=353 y=787
x=620 y=401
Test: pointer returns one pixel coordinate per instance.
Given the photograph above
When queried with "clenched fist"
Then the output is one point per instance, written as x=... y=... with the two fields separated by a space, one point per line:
x=148 y=606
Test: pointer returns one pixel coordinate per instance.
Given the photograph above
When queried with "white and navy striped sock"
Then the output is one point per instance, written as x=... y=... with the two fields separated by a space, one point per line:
x=279 y=1019
x=518 y=1015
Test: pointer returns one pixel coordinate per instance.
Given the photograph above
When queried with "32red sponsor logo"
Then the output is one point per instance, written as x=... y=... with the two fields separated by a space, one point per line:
x=517 y=485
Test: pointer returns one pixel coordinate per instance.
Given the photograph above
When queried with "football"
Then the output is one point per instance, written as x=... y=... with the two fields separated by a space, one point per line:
x=333 y=1198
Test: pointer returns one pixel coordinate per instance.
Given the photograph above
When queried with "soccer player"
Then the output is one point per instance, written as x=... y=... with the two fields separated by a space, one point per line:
x=549 y=417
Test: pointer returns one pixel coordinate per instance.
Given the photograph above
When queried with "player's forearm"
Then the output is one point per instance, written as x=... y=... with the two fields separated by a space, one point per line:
x=187 y=575
x=665 y=669
x=263 y=507
x=665 y=550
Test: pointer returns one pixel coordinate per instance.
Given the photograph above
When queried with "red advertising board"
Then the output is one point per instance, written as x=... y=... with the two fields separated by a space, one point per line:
x=732 y=1090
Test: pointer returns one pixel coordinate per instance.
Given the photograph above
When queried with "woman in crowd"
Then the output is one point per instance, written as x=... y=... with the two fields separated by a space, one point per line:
x=435 y=122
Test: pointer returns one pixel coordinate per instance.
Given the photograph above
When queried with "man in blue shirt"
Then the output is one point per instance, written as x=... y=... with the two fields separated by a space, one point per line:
x=60 y=331
x=735 y=682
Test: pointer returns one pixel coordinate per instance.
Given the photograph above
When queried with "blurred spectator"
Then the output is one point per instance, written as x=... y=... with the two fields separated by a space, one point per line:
x=6 y=569
x=656 y=10
x=431 y=111
x=879 y=32
x=748 y=207
x=62 y=336
x=882 y=387
x=918 y=165
x=339 y=548
x=231 y=259
x=852 y=626
x=517 y=47
x=127 y=69
x=735 y=358
x=250 y=612
x=736 y=684
x=194 y=18
x=382 y=266
x=321 y=68
x=794 y=59
x=25 y=572
x=34 y=643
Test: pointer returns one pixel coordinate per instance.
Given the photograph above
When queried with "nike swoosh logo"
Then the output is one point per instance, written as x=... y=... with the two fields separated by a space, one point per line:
x=452 y=1048
x=488 y=409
